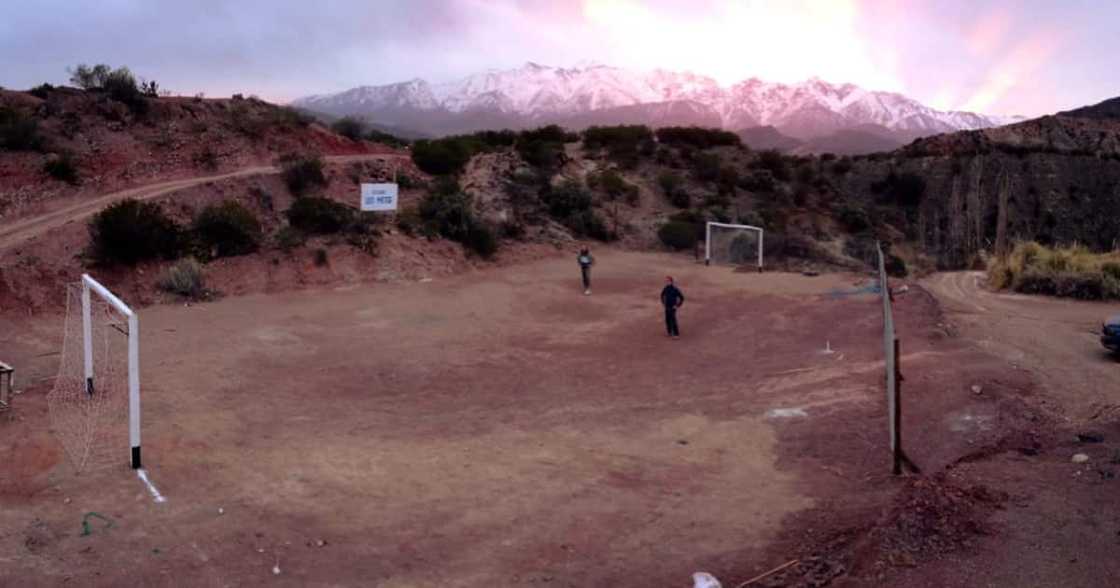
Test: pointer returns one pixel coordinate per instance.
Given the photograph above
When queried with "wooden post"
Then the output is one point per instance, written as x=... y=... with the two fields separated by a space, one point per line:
x=897 y=416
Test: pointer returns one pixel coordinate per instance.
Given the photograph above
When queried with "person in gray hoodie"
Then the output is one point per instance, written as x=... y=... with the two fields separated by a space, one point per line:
x=585 y=262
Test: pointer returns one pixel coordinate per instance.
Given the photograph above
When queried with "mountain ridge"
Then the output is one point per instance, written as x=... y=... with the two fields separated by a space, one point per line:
x=535 y=94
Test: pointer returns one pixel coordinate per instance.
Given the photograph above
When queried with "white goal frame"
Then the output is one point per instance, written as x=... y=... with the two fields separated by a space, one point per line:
x=708 y=239
x=91 y=287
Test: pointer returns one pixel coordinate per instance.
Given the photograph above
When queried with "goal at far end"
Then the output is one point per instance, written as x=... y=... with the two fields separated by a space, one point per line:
x=732 y=244
x=95 y=402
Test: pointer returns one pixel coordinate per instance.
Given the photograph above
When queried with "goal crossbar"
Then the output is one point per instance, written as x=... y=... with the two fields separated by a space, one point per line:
x=91 y=286
x=708 y=239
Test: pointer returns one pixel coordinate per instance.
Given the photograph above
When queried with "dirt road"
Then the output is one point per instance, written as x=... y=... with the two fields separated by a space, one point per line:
x=23 y=229
x=1057 y=340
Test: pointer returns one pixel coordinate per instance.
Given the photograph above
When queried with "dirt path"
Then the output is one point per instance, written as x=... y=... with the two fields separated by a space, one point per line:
x=1056 y=340
x=23 y=229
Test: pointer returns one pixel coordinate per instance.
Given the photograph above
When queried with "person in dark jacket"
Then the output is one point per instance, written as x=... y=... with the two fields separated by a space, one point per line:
x=585 y=262
x=671 y=298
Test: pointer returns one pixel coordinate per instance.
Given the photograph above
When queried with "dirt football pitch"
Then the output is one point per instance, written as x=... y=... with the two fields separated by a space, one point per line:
x=497 y=428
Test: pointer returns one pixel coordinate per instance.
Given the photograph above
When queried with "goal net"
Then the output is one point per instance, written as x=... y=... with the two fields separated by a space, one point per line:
x=95 y=402
x=730 y=244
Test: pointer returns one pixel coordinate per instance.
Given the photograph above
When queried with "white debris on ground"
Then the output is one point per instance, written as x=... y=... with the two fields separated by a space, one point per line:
x=786 y=413
x=1079 y=458
x=705 y=580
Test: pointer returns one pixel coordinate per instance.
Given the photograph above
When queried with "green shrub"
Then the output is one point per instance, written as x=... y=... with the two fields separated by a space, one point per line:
x=121 y=86
x=300 y=173
x=62 y=168
x=184 y=278
x=349 y=127
x=131 y=231
x=319 y=216
x=625 y=144
x=706 y=167
x=678 y=235
x=680 y=198
x=853 y=218
x=227 y=229
x=669 y=182
x=615 y=186
x=447 y=212
x=588 y=223
x=759 y=180
x=382 y=137
x=697 y=137
x=286 y=116
x=566 y=199
x=773 y=161
x=1111 y=269
x=441 y=156
x=288 y=238
x=18 y=132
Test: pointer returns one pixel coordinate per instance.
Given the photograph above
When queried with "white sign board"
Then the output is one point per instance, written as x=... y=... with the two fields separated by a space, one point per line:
x=379 y=197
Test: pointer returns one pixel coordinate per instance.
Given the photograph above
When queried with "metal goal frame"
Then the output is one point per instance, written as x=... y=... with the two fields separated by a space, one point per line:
x=708 y=239
x=91 y=287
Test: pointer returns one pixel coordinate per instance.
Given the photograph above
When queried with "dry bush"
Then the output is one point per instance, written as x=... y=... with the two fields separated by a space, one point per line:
x=1071 y=271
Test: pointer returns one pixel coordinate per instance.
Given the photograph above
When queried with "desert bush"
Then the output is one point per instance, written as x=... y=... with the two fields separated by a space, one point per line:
x=1071 y=271
x=121 y=86
x=448 y=213
x=320 y=257
x=300 y=173
x=206 y=158
x=698 y=137
x=669 y=182
x=286 y=116
x=62 y=168
x=227 y=229
x=588 y=223
x=624 y=144
x=853 y=218
x=842 y=166
x=681 y=198
x=615 y=187
x=319 y=216
x=377 y=136
x=18 y=132
x=288 y=238
x=131 y=231
x=773 y=161
x=41 y=91
x=706 y=167
x=442 y=156
x=678 y=235
x=566 y=199
x=905 y=190
x=184 y=278
x=349 y=127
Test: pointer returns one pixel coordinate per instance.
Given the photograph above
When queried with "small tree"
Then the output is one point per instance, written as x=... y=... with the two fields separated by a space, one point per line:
x=303 y=172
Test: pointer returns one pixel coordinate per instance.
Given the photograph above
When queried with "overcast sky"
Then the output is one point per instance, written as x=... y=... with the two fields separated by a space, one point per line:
x=996 y=56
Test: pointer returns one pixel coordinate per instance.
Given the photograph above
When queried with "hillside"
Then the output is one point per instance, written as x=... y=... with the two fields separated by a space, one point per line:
x=66 y=143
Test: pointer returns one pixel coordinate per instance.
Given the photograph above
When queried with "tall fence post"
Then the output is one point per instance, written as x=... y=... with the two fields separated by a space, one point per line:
x=896 y=432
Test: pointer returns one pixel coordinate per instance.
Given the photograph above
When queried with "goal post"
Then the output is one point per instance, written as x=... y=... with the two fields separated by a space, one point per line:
x=99 y=375
x=733 y=244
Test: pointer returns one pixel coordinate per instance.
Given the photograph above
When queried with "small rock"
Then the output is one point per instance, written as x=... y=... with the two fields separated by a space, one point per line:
x=66 y=501
x=705 y=580
x=276 y=570
x=1079 y=458
x=221 y=511
x=320 y=543
x=977 y=389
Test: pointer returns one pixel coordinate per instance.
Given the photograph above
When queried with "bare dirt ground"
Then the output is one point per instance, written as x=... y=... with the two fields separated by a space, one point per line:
x=496 y=428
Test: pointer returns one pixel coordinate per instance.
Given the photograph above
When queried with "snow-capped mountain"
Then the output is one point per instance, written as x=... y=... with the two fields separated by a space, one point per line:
x=597 y=94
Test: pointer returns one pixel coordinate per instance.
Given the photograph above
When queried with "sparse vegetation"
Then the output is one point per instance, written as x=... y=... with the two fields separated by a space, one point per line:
x=447 y=211
x=1073 y=271
x=288 y=238
x=377 y=136
x=227 y=229
x=442 y=156
x=184 y=278
x=697 y=137
x=349 y=127
x=41 y=91
x=614 y=186
x=320 y=257
x=131 y=231
x=624 y=144
x=303 y=172
x=119 y=84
